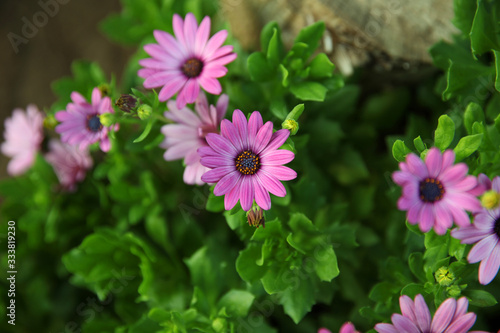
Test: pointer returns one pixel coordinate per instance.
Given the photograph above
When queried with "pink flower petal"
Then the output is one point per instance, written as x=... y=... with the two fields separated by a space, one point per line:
x=271 y=183
x=221 y=145
x=448 y=159
x=443 y=315
x=240 y=122
x=210 y=84
x=171 y=87
x=76 y=97
x=169 y=44
x=262 y=197
x=189 y=92
x=226 y=183
x=426 y=217
x=404 y=324
x=277 y=140
x=96 y=97
x=462 y=305
x=483 y=249
x=386 y=328
x=221 y=107
x=443 y=218
x=254 y=124
x=462 y=324
x=434 y=161
x=202 y=35
x=277 y=157
x=279 y=171
x=416 y=166
x=178 y=26
x=214 y=43
x=217 y=161
x=469 y=234
x=466 y=184
x=263 y=136
x=214 y=175
x=229 y=131
x=402 y=177
x=231 y=198
x=422 y=314
x=488 y=268
x=453 y=174
x=407 y=308
x=246 y=193
x=190 y=29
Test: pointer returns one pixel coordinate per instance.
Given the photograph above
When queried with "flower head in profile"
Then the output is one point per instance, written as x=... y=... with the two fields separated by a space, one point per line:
x=484 y=233
x=245 y=161
x=436 y=193
x=23 y=137
x=187 y=61
x=415 y=317
x=346 y=328
x=183 y=139
x=70 y=163
x=80 y=123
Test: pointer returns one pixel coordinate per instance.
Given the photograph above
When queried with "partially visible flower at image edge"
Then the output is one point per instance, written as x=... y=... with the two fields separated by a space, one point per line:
x=70 y=163
x=415 y=317
x=183 y=139
x=484 y=233
x=23 y=137
x=436 y=193
x=80 y=123
x=245 y=161
x=346 y=328
x=187 y=61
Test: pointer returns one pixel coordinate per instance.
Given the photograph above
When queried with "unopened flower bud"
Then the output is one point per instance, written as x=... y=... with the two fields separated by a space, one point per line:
x=49 y=122
x=291 y=125
x=444 y=276
x=144 y=111
x=454 y=291
x=126 y=103
x=490 y=199
x=255 y=217
x=104 y=89
x=107 y=119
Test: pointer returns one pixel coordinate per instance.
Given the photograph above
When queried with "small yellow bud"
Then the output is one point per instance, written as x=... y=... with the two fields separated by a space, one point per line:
x=49 y=122
x=291 y=125
x=144 y=111
x=107 y=119
x=444 y=277
x=490 y=199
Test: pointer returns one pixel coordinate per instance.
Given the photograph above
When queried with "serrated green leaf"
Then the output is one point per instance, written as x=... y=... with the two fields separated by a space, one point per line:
x=325 y=264
x=445 y=132
x=246 y=263
x=297 y=302
x=464 y=15
x=467 y=145
x=484 y=30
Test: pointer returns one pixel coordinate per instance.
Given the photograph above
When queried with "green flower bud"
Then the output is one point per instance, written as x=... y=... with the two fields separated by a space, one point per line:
x=490 y=199
x=49 y=122
x=104 y=89
x=454 y=291
x=144 y=111
x=255 y=217
x=107 y=119
x=126 y=103
x=444 y=276
x=291 y=125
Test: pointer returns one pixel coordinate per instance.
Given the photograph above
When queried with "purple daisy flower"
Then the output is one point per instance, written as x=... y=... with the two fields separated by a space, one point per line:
x=183 y=139
x=436 y=193
x=415 y=317
x=80 y=123
x=246 y=162
x=484 y=233
x=70 y=163
x=23 y=137
x=187 y=61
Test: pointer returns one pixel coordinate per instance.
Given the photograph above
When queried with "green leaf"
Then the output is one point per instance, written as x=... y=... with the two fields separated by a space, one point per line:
x=237 y=302
x=497 y=69
x=464 y=15
x=296 y=112
x=247 y=263
x=321 y=67
x=259 y=69
x=325 y=264
x=412 y=290
x=309 y=91
x=466 y=78
x=467 y=145
x=275 y=51
x=419 y=144
x=400 y=150
x=480 y=298
x=298 y=301
x=311 y=36
x=484 y=30
x=416 y=263
x=473 y=113
x=215 y=203
x=147 y=129
x=445 y=131
x=267 y=33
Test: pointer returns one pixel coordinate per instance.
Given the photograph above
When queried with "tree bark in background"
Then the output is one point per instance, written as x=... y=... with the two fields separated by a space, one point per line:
x=392 y=32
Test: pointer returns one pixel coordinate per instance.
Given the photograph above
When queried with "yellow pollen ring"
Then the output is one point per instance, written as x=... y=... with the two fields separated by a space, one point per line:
x=247 y=163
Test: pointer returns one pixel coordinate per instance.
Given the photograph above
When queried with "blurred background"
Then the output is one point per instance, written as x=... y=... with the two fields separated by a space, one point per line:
x=71 y=33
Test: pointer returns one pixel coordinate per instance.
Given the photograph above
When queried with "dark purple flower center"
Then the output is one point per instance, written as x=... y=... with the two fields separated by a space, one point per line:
x=496 y=228
x=192 y=67
x=93 y=123
x=247 y=163
x=431 y=190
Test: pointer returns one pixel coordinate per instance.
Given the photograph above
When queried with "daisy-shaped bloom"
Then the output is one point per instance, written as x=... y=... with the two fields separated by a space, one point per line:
x=187 y=61
x=484 y=233
x=346 y=328
x=23 y=137
x=80 y=123
x=436 y=193
x=245 y=161
x=70 y=163
x=183 y=139
x=415 y=317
